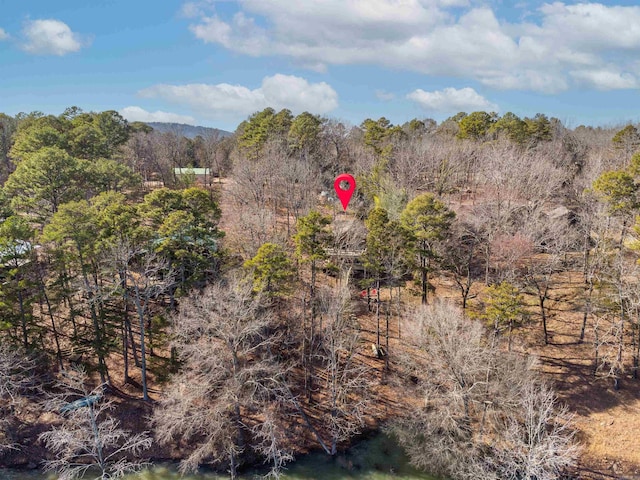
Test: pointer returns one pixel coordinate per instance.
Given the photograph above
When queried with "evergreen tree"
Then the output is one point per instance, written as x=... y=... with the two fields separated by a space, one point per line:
x=44 y=181
x=427 y=221
x=272 y=270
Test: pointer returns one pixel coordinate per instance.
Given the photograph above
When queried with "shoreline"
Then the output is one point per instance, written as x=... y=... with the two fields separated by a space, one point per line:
x=372 y=453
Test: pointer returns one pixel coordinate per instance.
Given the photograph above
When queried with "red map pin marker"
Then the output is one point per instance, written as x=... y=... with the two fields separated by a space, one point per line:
x=344 y=195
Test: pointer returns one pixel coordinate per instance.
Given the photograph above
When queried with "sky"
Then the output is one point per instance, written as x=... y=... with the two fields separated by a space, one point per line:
x=215 y=62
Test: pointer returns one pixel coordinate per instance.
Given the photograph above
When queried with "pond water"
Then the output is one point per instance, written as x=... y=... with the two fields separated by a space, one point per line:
x=378 y=458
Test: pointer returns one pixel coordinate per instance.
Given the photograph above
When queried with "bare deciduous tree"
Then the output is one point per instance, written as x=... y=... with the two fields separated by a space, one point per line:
x=227 y=382
x=14 y=371
x=346 y=385
x=89 y=442
x=269 y=437
x=469 y=389
x=460 y=257
x=15 y=378
x=539 y=442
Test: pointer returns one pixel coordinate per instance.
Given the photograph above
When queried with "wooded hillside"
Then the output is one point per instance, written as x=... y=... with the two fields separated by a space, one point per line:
x=484 y=264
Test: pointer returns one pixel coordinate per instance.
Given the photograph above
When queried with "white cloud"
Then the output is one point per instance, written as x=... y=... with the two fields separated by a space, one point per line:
x=278 y=91
x=137 y=114
x=221 y=98
x=193 y=9
x=452 y=100
x=384 y=95
x=592 y=26
x=606 y=79
x=50 y=37
x=453 y=3
x=297 y=94
x=3 y=35
x=243 y=35
x=442 y=37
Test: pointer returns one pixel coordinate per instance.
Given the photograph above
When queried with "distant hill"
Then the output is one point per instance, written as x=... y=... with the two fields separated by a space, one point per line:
x=188 y=131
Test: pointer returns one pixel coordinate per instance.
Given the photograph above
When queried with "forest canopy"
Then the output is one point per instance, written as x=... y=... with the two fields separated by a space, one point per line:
x=245 y=313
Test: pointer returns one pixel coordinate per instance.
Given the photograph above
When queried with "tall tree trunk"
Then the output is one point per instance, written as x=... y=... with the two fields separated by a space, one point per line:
x=509 y=337
x=423 y=266
x=487 y=254
x=239 y=442
x=636 y=349
x=45 y=296
x=307 y=421
x=125 y=352
x=334 y=390
x=125 y=322
x=386 y=340
x=596 y=349
x=378 y=315
x=23 y=319
x=233 y=467
x=399 y=313
x=97 y=442
x=618 y=367
x=312 y=294
x=585 y=258
x=66 y=296
x=623 y=232
x=98 y=343
x=305 y=341
x=143 y=358
x=542 y=296
x=54 y=329
x=132 y=343
x=587 y=309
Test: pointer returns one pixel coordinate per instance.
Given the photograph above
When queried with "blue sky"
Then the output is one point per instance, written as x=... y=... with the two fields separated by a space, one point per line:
x=213 y=63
